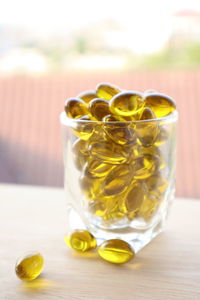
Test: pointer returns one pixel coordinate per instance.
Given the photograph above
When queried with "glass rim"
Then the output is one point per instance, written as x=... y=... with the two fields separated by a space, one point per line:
x=172 y=117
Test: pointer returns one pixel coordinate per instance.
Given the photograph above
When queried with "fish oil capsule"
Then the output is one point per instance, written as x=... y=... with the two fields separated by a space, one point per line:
x=80 y=161
x=116 y=251
x=80 y=147
x=106 y=91
x=108 y=152
x=126 y=103
x=161 y=104
x=87 y=96
x=162 y=137
x=120 y=133
x=147 y=131
x=156 y=183
x=99 y=108
x=97 y=208
x=81 y=240
x=134 y=198
x=145 y=166
x=90 y=187
x=96 y=168
x=149 y=207
x=117 y=180
x=75 y=108
x=29 y=267
x=82 y=128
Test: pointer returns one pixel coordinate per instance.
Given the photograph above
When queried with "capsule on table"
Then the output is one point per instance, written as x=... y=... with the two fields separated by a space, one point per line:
x=81 y=240
x=108 y=152
x=126 y=103
x=96 y=168
x=145 y=166
x=75 y=108
x=147 y=131
x=117 y=180
x=82 y=128
x=119 y=132
x=116 y=251
x=99 y=108
x=106 y=91
x=134 y=198
x=161 y=104
x=29 y=267
x=87 y=96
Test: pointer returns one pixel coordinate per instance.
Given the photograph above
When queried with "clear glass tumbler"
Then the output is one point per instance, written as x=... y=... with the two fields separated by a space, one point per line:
x=119 y=176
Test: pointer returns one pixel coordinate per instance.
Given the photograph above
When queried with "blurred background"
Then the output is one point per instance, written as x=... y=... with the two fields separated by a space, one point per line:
x=52 y=50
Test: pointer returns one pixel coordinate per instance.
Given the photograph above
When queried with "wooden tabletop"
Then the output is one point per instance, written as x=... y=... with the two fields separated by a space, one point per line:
x=33 y=218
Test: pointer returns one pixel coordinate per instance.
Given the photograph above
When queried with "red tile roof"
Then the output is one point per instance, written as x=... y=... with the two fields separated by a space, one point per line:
x=30 y=145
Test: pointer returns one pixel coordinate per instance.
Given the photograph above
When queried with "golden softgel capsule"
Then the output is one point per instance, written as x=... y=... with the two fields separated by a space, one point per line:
x=116 y=251
x=75 y=108
x=119 y=132
x=117 y=180
x=99 y=108
x=29 y=267
x=83 y=129
x=95 y=168
x=106 y=91
x=81 y=240
x=147 y=131
x=161 y=105
x=87 y=96
x=126 y=103
x=108 y=152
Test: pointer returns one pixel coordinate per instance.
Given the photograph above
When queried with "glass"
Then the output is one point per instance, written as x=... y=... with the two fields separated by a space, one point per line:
x=119 y=176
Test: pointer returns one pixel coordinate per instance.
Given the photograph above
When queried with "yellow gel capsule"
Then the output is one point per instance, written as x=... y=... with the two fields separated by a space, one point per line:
x=82 y=128
x=117 y=180
x=87 y=96
x=75 y=108
x=29 y=267
x=106 y=91
x=80 y=161
x=97 y=169
x=126 y=103
x=80 y=147
x=162 y=137
x=119 y=132
x=81 y=240
x=90 y=187
x=161 y=104
x=116 y=251
x=147 y=131
x=145 y=166
x=97 y=208
x=134 y=198
x=99 y=108
x=149 y=207
x=108 y=152
x=156 y=183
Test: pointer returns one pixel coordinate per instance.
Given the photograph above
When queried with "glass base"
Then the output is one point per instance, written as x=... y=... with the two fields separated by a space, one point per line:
x=137 y=238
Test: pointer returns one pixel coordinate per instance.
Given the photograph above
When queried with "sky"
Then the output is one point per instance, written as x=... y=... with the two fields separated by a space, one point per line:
x=146 y=23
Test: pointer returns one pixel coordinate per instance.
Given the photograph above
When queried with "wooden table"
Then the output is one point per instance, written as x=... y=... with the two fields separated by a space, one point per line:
x=33 y=218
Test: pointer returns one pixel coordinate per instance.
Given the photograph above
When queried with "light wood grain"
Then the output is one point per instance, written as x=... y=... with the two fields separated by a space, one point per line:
x=34 y=219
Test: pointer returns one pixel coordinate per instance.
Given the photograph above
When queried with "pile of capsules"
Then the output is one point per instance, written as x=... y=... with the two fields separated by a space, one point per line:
x=119 y=160
x=120 y=165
